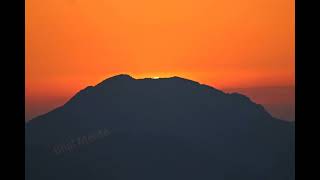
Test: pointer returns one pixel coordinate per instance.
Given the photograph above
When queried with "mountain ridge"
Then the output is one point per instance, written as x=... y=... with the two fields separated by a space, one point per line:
x=166 y=128
x=125 y=78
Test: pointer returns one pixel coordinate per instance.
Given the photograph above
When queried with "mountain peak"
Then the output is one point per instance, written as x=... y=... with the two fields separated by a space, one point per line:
x=127 y=78
x=120 y=77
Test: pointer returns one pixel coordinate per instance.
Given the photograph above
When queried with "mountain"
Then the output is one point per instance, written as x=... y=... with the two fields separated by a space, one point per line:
x=149 y=129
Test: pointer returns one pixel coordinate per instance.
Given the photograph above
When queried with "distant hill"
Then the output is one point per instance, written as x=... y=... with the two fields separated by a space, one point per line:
x=167 y=128
x=279 y=101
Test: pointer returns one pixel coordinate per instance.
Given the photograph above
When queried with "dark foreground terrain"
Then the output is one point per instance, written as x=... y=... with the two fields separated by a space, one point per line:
x=158 y=129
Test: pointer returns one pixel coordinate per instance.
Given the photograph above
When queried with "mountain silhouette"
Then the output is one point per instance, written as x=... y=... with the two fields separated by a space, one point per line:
x=149 y=129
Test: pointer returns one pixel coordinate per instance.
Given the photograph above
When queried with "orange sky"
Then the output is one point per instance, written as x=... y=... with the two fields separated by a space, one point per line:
x=71 y=44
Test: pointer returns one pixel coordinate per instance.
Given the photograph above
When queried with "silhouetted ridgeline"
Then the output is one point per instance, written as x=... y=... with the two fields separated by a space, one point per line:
x=167 y=128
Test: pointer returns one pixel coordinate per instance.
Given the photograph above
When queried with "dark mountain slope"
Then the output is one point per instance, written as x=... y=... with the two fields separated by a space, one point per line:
x=168 y=128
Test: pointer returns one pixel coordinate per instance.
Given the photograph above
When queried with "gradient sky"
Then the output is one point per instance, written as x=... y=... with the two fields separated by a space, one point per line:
x=71 y=44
